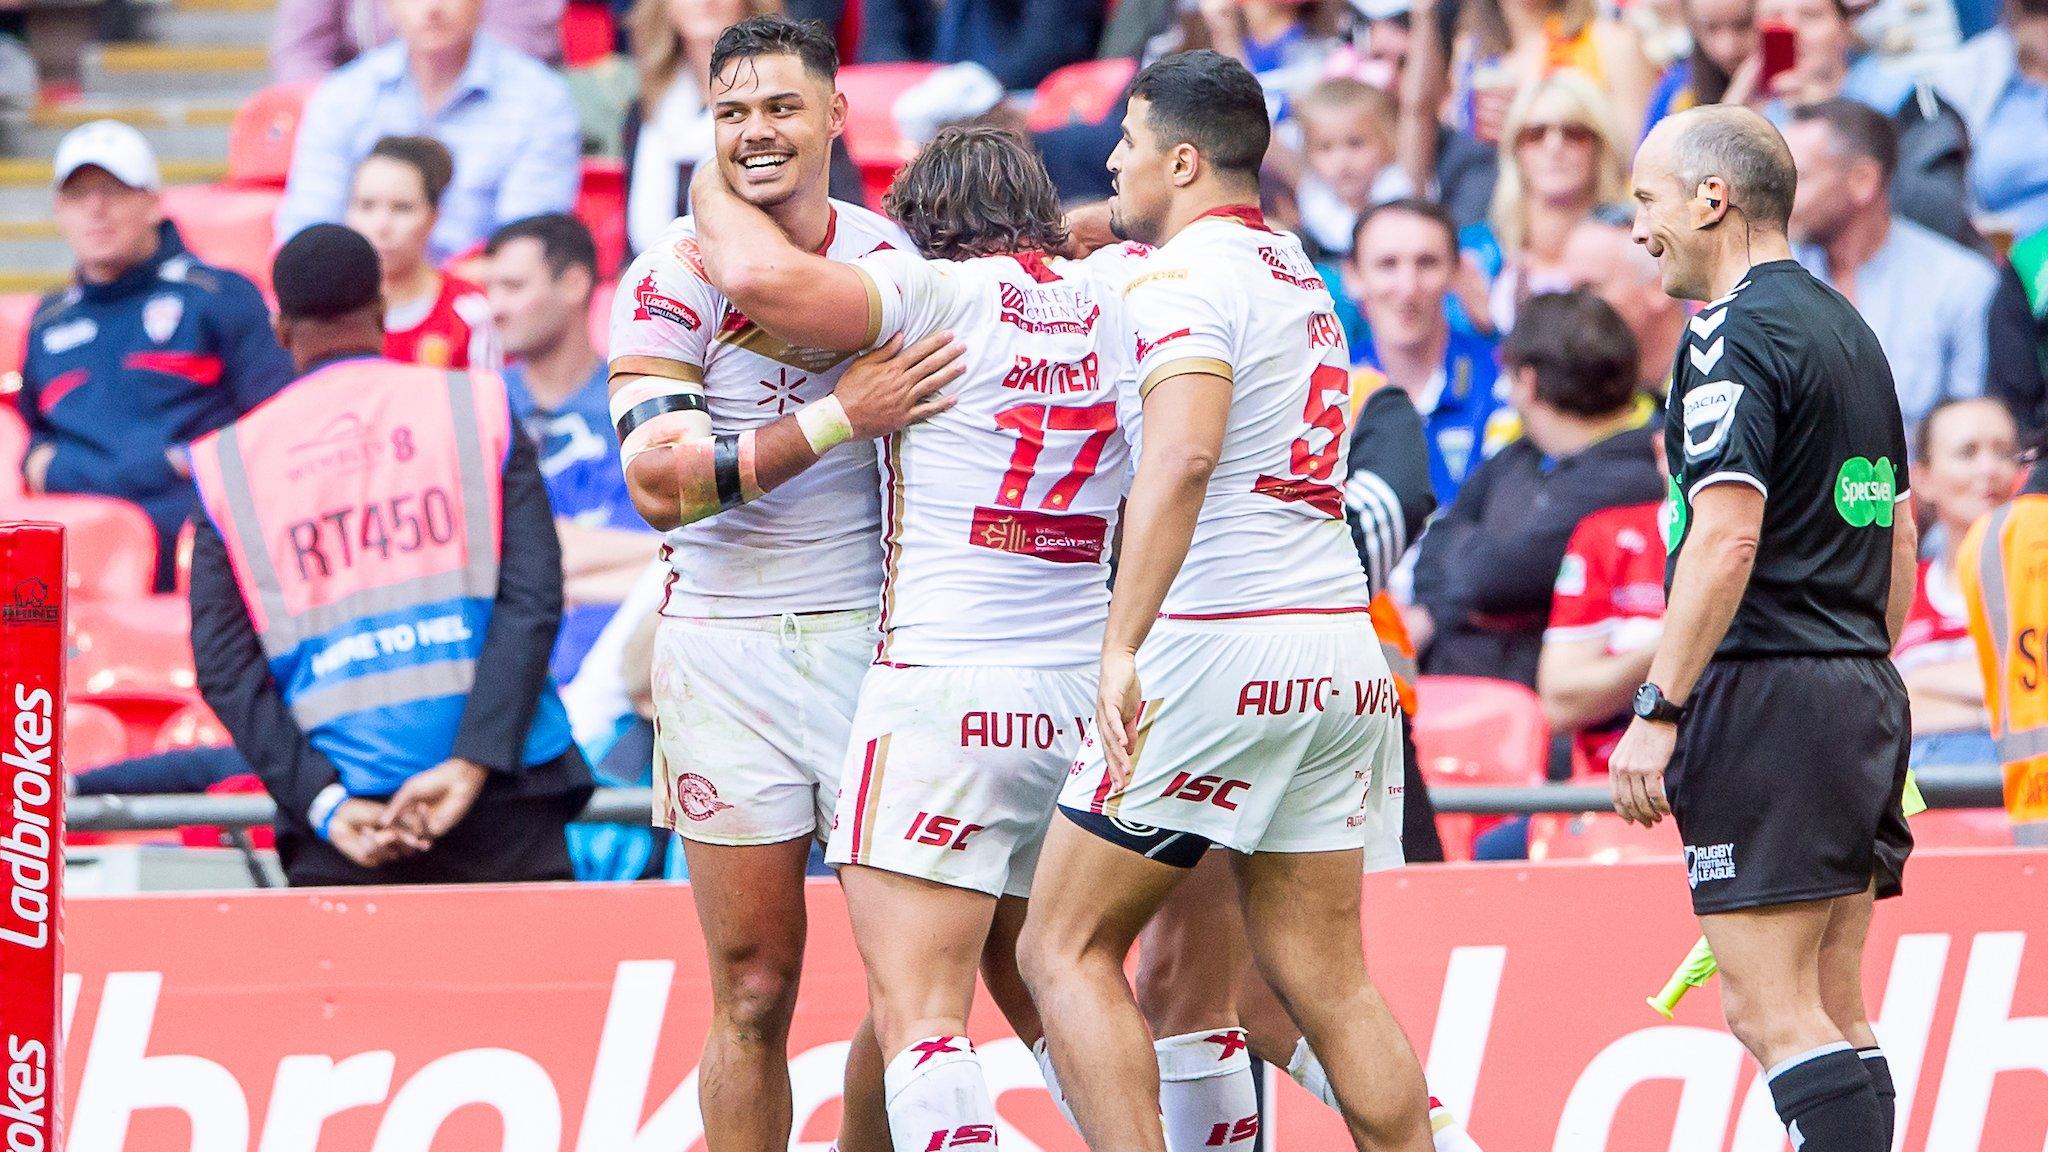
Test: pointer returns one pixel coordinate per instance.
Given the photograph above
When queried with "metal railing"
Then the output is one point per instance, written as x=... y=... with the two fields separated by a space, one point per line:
x=631 y=806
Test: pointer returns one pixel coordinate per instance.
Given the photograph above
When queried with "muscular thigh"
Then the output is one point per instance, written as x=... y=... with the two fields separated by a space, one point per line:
x=750 y=902
x=1192 y=954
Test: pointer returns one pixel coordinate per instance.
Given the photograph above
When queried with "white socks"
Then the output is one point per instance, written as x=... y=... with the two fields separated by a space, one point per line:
x=1206 y=1096
x=938 y=1098
x=1307 y=1071
x=1052 y=1082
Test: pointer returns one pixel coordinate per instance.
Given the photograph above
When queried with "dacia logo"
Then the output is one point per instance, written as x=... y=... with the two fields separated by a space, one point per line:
x=1864 y=492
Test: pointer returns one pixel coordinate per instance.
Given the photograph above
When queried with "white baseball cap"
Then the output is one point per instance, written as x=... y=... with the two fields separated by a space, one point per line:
x=111 y=145
x=1380 y=9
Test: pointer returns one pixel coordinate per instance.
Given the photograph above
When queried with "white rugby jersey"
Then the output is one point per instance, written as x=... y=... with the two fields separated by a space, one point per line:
x=998 y=513
x=1226 y=295
x=811 y=544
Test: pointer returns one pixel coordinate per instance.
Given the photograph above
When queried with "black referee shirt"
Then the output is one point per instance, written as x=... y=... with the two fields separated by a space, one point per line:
x=1782 y=386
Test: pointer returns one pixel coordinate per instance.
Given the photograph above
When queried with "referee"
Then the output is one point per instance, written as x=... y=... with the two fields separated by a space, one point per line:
x=1773 y=720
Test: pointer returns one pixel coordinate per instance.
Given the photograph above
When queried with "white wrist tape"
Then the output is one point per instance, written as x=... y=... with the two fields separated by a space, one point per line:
x=825 y=424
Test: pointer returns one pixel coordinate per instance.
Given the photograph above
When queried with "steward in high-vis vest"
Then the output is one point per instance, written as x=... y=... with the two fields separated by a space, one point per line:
x=2003 y=568
x=376 y=590
x=1388 y=496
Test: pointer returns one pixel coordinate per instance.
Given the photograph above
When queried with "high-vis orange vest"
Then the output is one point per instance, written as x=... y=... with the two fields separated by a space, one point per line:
x=1397 y=645
x=2003 y=568
x=362 y=510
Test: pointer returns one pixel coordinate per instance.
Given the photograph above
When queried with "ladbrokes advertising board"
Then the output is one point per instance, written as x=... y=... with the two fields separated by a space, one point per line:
x=569 y=1019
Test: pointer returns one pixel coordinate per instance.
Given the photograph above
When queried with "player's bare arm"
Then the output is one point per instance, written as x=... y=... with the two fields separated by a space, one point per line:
x=1582 y=683
x=797 y=295
x=1905 y=570
x=1184 y=420
x=1713 y=569
x=680 y=472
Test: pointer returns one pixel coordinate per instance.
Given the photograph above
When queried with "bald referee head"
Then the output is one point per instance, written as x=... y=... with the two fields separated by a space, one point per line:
x=1713 y=188
x=330 y=298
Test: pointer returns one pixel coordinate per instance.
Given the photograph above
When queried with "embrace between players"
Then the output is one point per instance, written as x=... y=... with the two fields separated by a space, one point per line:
x=928 y=672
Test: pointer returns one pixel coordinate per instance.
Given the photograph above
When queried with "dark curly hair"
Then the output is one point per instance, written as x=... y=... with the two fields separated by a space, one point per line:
x=977 y=192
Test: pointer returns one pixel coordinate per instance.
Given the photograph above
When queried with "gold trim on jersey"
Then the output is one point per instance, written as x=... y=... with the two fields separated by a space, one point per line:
x=892 y=533
x=872 y=780
x=660 y=366
x=874 y=304
x=1185 y=366
x=758 y=340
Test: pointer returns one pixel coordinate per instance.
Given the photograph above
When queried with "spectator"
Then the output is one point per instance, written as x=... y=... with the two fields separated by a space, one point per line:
x=1604 y=259
x=1401 y=272
x=146 y=350
x=2019 y=335
x=1508 y=47
x=430 y=317
x=542 y=273
x=1998 y=82
x=1412 y=40
x=314 y=37
x=1933 y=147
x=1606 y=614
x=1968 y=465
x=1722 y=66
x=1021 y=41
x=671 y=130
x=1484 y=575
x=446 y=758
x=1347 y=144
x=1562 y=159
x=1283 y=42
x=505 y=117
x=1927 y=298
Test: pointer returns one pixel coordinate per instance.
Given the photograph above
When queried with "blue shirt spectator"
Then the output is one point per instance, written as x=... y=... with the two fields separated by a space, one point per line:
x=1464 y=417
x=507 y=118
x=146 y=351
x=2002 y=95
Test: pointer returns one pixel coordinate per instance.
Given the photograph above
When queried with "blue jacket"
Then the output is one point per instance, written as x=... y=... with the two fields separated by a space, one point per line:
x=116 y=374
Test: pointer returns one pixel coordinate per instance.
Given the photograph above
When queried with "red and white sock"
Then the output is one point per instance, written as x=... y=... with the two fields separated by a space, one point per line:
x=1052 y=1082
x=938 y=1098
x=1307 y=1071
x=1206 y=1095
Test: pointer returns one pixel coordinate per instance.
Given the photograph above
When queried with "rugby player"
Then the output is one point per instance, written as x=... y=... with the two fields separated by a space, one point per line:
x=738 y=444
x=998 y=515
x=1257 y=714
x=1790 y=577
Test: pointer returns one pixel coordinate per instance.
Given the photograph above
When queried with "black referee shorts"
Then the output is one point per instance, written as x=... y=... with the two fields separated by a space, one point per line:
x=1787 y=779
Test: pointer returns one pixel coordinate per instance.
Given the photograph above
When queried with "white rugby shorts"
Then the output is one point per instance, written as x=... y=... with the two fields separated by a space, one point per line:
x=953 y=772
x=1272 y=733
x=751 y=716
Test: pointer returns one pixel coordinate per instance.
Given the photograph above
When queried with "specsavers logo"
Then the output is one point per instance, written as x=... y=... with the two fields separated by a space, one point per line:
x=1672 y=515
x=1864 y=492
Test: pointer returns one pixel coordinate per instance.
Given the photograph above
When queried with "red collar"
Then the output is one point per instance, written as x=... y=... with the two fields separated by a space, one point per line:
x=831 y=228
x=1245 y=214
x=1033 y=262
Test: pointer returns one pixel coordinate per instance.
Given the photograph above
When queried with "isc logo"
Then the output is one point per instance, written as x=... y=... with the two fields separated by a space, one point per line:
x=941 y=831
x=1242 y=1132
x=968 y=1134
x=1198 y=789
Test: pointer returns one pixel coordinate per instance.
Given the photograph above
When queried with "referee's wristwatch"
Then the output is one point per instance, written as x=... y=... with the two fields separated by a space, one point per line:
x=1652 y=705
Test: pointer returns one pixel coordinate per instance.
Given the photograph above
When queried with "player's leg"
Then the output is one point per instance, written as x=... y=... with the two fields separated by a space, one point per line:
x=750 y=902
x=1301 y=914
x=1841 y=993
x=1770 y=961
x=1005 y=984
x=864 y=1111
x=920 y=987
x=1092 y=898
x=1191 y=961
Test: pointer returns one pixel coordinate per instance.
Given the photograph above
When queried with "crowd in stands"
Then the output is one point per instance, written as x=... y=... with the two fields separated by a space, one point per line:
x=1459 y=168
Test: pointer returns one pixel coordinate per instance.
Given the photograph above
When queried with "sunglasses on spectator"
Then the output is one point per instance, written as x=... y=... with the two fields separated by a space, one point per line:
x=1580 y=134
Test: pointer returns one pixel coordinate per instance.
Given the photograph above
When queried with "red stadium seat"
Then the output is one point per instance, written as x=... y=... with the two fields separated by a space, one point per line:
x=261 y=137
x=1473 y=731
x=1601 y=837
x=109 y=545
x=207 y=836
x=1962 y=828
x=601 y=205
x=601 y=315
x=135 y=658
x=193 y=726
x=588 y=33
x=13 y=446
x=871 y=137
x=1083 y=93
x=92 y=736
x=228 y=225
x=16 y=310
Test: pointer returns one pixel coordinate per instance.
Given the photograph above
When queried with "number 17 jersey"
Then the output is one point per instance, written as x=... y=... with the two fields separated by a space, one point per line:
x=1226 y=296
x=997 y=514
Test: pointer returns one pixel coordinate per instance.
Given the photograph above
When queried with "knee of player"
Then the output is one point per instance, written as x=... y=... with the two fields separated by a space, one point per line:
x=1041 y=960
x=758 y=998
